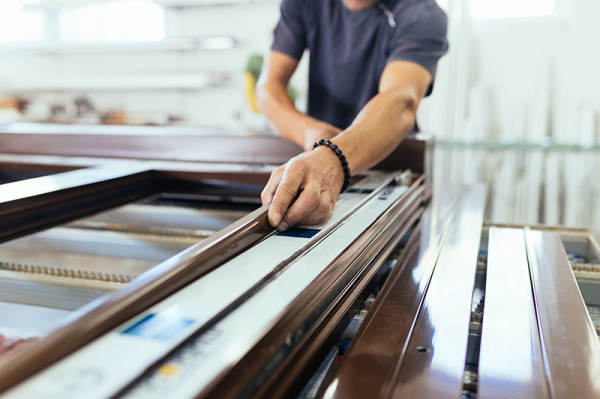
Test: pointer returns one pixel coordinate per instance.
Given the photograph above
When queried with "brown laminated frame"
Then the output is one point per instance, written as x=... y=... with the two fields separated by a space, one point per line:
x=284 y=359
x=179 y=144
x=395 y=352
x=83 y=192
x=337 y=288
x=94 y=180
x=571 y=350
x=537 y=339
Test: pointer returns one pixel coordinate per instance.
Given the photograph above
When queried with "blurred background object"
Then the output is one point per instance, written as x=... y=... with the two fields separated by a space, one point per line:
x=514 y=103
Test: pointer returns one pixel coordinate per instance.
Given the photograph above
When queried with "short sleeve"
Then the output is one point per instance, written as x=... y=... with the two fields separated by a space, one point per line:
x=421 y=37
x=290 y=33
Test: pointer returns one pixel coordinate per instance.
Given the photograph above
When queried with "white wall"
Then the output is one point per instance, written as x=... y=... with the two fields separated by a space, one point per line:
x=225 y=105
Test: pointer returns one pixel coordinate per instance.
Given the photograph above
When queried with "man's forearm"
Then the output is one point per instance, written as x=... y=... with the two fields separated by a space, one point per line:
x=277 y=105
x=289 y=123
x=379 y=128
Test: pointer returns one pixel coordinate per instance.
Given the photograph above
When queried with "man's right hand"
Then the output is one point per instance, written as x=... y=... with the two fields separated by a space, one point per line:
x=304 y=190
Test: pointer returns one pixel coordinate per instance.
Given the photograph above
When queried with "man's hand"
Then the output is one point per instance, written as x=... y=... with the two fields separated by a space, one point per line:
x=304 y=190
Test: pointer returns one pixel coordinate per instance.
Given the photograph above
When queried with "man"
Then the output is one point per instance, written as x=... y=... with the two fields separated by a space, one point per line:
x=371 y=62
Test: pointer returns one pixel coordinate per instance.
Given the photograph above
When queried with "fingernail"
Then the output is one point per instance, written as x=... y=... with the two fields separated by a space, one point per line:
x=276 y=218
x=282 y=226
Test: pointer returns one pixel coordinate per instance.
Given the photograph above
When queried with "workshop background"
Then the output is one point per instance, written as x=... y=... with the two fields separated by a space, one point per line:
x=515 y=103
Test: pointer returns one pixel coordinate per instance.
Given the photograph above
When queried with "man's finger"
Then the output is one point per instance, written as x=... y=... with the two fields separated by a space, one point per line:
x=285 y=193
x=308 y=201
x=268 y=191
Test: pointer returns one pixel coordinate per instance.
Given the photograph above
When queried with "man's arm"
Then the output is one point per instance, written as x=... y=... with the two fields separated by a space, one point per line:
x=279 y=108
x=378 y=128
x=387 y=118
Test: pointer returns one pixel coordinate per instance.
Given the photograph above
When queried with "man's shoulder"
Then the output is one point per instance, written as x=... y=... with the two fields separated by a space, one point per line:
x=403 y=6
x=409 y=11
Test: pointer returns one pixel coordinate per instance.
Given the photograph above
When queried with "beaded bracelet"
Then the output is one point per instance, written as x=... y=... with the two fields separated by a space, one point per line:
x=342 y=159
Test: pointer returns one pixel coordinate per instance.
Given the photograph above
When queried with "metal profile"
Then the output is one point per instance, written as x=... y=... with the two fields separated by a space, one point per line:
x=570 y=346
x=147 y=289
x=331 y=294
x=510 y=360
x=379 y=363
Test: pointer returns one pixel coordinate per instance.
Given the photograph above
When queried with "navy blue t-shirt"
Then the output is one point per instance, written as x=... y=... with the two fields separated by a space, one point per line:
x=349 y=49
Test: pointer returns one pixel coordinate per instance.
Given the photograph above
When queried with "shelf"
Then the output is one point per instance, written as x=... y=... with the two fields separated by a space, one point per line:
x=515 y=145
x=60 y=4
x=182 y=81
x=181 y=44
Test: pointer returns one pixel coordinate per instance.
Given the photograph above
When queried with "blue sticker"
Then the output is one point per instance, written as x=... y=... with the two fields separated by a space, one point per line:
x=299 y=232
x=157 y=326
x=359 y=191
